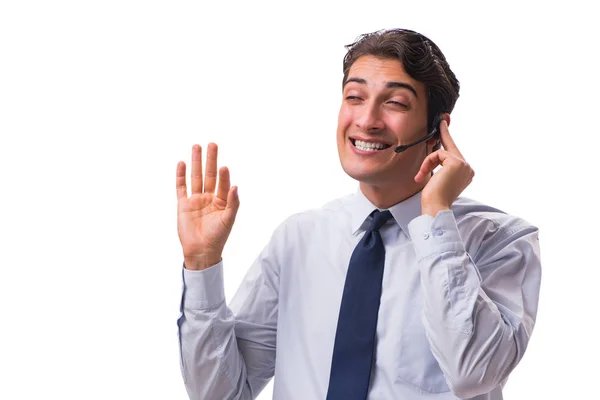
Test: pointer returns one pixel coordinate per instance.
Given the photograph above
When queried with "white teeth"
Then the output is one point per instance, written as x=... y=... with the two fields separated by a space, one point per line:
x=368 y=146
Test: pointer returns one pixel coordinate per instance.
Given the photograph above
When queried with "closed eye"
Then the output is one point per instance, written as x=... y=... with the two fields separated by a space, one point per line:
x=396 y=103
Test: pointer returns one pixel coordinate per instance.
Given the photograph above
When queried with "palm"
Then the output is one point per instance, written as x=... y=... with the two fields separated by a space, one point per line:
x=200 y=222
x=205 y=218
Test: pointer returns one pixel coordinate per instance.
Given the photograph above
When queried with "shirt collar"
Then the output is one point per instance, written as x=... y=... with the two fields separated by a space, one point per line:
x=403 y=212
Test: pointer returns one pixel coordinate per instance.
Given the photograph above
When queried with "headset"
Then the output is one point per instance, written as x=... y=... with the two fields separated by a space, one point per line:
x=435 y=131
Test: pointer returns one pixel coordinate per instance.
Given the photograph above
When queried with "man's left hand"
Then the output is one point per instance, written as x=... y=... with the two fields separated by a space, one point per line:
x=449 y=181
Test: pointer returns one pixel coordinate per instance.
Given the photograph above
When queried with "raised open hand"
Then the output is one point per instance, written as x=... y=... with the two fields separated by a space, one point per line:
x=449 y=181
x=205 y=219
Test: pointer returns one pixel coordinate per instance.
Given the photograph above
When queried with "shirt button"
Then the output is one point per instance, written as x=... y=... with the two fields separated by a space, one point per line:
x=426 y=236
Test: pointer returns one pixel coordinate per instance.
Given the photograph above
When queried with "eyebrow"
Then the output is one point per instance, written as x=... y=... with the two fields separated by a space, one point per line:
x=389 y=85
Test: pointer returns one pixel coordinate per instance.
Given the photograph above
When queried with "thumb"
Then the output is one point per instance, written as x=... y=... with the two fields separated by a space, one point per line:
x=233 y=204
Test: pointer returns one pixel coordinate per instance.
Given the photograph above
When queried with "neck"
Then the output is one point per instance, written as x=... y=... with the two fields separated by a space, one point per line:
x=384 y=196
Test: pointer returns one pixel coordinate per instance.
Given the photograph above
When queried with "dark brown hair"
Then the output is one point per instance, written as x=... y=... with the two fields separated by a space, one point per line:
x=422 y=60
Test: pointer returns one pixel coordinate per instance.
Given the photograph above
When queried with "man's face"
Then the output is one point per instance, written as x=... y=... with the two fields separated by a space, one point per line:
x=381 y=107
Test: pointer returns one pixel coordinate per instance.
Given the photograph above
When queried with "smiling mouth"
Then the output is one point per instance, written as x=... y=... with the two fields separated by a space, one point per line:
x=369 y=146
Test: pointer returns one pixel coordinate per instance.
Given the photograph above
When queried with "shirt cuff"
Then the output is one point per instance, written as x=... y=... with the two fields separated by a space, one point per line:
x=204 y=289
x=435 y=235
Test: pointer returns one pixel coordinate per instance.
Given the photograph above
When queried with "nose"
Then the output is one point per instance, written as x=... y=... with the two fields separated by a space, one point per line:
x=370 y=118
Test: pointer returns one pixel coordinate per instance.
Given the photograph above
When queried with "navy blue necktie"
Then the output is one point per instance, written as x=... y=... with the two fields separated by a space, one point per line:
x=357 y=322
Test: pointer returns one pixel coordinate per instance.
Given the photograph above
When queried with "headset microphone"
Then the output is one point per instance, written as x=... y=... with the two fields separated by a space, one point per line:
x=434 y=131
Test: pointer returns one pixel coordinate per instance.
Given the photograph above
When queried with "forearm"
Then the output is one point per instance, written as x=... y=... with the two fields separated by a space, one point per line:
x=474 y=346
x=212 y=365
x=476 y=341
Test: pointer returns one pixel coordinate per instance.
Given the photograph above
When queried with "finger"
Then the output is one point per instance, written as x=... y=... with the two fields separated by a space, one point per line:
x=210 y=179
x=224 y=183
x=447 y=141
x=233 y=204
x=196 y=169
x=180 y=181
x=430 y=163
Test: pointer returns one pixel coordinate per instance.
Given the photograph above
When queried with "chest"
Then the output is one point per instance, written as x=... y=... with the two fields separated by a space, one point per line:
x=311 y=288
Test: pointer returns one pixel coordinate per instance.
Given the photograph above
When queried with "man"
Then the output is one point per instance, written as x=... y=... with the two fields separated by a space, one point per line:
x=402 y=290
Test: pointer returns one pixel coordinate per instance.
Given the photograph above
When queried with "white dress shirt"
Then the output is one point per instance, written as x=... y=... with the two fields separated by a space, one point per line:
x=458 y=306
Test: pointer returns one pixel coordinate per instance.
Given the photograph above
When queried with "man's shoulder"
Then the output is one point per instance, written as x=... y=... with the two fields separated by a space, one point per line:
x=332 y=209
x=469 y=212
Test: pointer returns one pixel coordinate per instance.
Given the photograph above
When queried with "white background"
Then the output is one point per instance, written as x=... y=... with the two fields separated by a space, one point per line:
x=100 y=100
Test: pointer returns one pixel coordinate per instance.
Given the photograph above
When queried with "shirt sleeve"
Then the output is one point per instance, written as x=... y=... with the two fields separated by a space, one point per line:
x=479 y=311
x=229 y=352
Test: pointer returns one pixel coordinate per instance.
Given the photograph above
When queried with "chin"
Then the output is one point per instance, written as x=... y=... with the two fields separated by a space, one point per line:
x=364 y=176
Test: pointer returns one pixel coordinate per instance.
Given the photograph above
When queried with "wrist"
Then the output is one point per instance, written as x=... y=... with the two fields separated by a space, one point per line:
x=433 y=209
x=201 y=262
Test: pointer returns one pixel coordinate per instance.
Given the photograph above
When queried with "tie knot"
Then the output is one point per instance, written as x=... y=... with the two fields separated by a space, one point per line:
x=379 y=218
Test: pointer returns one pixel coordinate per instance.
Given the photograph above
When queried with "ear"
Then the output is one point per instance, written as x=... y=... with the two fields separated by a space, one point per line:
x=431 y=143
x=446 y=117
